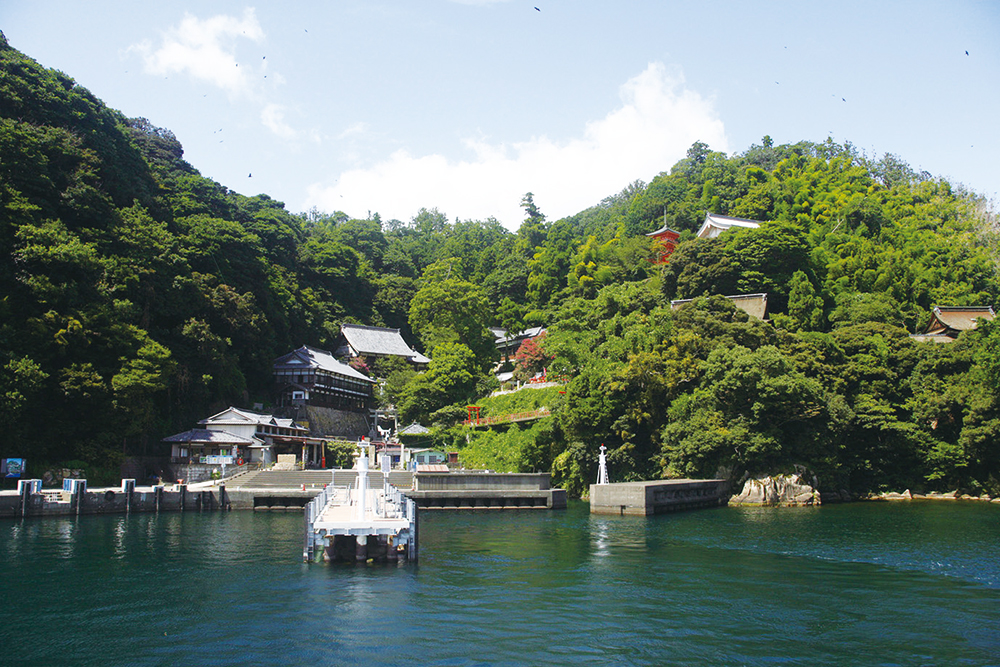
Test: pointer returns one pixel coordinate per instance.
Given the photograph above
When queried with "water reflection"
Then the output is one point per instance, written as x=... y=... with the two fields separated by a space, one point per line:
x=843 y=585
x=119 y=541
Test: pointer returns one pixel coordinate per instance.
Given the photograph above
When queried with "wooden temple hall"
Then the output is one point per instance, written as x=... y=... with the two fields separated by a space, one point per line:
x=309 y=376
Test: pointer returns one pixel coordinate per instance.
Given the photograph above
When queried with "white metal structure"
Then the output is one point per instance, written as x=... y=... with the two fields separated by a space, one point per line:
x=602 y=469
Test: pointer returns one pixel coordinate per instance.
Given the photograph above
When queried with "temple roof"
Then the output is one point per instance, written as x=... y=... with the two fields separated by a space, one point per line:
x=716 y=224
x=310 y=357
x=413 y=429
x=204 y=436
x=239 y=417
x=754 y=305
x=664 y=231
x=953 y=319
x=379 y=341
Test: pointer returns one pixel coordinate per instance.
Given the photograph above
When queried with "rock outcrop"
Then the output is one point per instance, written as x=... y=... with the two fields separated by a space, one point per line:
x=777 y=490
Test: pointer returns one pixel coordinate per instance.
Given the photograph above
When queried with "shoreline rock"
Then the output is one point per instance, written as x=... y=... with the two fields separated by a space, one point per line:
x=932 y=495
x=777 y=491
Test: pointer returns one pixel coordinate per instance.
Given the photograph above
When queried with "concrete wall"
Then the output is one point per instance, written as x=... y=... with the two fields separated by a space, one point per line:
x=457 y=481
x=657 y=497
x=481 y=490
x=115 y=501
x=473 y=499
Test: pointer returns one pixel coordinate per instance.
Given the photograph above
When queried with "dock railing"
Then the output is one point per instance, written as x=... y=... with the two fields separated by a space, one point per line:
x=393 y=505
x=314 y=508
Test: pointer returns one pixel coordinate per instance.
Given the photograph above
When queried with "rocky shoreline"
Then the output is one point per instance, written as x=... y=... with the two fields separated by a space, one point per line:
x=951 y=495
x=795 y=491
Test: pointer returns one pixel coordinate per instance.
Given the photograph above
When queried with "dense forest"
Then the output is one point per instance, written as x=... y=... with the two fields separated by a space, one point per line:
x=137 y=296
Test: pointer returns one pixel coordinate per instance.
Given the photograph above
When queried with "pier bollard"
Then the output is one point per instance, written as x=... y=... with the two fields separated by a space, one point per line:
x=25 y=489
x=128 y=489
x=183 y=489
x=77 y=489
x=157 y=497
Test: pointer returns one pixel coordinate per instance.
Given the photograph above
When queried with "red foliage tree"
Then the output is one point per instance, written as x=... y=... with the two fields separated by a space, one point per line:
x=531 y=358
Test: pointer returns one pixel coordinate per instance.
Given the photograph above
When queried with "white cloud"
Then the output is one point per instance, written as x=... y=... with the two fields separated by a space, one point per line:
x=658 y=121
x=206 y=50
x=273 y=117
x=355 y=128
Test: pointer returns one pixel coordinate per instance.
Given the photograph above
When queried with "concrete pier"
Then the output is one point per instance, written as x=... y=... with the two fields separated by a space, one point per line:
x=274 y=491
x=386 y=531
x=76 y=498
x=657 y=496
x=362 y=522
x=485 y=490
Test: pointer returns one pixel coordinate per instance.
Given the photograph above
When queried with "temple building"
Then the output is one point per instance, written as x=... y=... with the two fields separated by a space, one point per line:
x=357 y=340
x=507 y=345
x=947 y=322
x=716 y=224
x=665 y=242
x=754 y=305
x=309 y=376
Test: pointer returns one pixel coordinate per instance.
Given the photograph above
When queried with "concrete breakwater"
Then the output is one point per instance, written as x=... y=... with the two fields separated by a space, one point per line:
x=485 y=490
x=31 y=501
x=284 y=490
x=657 y=496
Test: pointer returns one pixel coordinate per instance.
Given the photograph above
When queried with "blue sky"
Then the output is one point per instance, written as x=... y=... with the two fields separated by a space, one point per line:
x=376 y=106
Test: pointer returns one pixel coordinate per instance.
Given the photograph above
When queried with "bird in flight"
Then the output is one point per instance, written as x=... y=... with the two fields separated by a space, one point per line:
x=538 y=10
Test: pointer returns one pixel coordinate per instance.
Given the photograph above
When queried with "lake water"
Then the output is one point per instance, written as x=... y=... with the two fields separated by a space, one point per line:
x=862 y=584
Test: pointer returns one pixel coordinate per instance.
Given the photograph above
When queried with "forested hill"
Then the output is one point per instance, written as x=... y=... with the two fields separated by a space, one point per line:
x=137 y=296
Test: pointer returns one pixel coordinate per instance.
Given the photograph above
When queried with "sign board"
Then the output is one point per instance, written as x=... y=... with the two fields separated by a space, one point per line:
x=12 y=468
x=218 y=460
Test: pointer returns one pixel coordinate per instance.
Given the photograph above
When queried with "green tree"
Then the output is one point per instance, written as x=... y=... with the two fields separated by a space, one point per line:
x=447 y=309
x=451 y=377
x=805 y=307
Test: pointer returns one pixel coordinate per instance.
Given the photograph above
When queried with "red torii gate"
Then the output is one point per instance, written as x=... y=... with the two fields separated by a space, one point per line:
x=473 y=410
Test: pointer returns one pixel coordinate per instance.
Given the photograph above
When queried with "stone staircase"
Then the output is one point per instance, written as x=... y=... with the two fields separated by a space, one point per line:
x=313 y=479
x=401 y=479
x=280 y=479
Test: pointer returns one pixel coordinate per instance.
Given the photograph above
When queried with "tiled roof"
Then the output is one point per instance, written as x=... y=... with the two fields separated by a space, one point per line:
x=310 y=357
x=754 y=305
x=237 y=416
x=379 y=341
x=207 y=437
x=523 y=335
x=664 y=230
x=959 y=318
x=716 y=224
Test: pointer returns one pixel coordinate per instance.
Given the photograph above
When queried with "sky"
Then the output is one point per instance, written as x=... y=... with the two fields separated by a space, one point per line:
x=377 y=106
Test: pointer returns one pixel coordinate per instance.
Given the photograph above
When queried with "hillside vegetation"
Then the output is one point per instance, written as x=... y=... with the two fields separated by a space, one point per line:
x=137 y=296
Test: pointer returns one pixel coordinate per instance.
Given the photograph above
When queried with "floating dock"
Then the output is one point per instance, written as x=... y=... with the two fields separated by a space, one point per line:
x=360 y=524
x=657 y=496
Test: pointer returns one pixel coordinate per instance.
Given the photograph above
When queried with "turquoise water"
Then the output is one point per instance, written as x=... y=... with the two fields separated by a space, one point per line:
x=861 y=584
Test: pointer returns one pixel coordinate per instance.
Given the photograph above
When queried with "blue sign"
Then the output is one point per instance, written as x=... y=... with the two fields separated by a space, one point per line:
x=12 y=468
